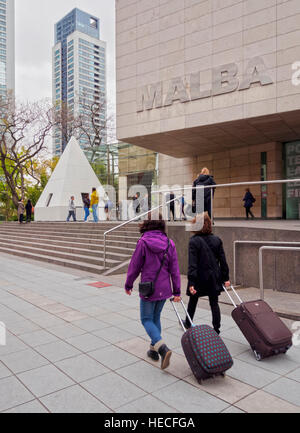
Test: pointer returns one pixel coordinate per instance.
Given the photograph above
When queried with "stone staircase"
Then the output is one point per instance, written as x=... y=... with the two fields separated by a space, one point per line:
x=74 y=245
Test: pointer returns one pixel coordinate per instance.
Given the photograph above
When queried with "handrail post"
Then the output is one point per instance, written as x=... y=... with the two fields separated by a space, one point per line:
x=261 y=277
x=104 y=252
x=212 y=204
x=234 y=263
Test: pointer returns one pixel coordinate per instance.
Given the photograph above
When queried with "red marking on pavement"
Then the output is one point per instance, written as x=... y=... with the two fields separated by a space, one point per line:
x=99 y=285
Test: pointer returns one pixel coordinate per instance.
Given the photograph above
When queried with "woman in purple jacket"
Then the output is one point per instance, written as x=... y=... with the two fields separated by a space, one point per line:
x=147 y=259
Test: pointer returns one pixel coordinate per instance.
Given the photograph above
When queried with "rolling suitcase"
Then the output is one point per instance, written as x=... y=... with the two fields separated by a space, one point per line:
x=205 y=351
x=261 y=326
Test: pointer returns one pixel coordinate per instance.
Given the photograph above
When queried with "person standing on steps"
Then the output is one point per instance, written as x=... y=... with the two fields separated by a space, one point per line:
x=28 y=208
x=204 y=179
x=86 y=206
x=72 y=209
x=208 y=270
x=21 y=210
x=95 y=204
x=156 y=259
x=249 y=201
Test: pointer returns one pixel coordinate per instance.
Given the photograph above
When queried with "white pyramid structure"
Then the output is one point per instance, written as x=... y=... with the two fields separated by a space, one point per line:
x=73 y=176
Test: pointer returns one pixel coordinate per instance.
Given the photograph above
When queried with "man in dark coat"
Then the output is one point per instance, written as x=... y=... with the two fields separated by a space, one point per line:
x=28 y=208
x=204 y=179
x=208 y=271
x=171 y=206
x=249 y=200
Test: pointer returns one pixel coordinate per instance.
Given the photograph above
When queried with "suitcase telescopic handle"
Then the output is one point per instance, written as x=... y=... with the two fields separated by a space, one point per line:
x=178 y=315
x=230 y=297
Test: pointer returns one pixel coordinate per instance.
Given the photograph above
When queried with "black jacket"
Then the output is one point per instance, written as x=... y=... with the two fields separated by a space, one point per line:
x=249 y=200
x=204 y=180
x=208 y=269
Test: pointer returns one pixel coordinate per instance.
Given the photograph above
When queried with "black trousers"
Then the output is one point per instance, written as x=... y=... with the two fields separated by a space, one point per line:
x=249 y=212
x=71 y=215
x=215 y=309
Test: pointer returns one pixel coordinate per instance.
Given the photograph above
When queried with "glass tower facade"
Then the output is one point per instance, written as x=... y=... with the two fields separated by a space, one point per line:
x=7 y=47
x=79 y=75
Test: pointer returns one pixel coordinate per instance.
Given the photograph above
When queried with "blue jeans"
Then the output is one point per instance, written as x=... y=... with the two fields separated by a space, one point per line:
x=87 y=213
x=95 y=212
x=150 y=318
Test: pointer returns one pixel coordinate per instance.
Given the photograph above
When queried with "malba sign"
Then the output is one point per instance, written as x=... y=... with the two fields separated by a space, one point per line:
x=224 y=80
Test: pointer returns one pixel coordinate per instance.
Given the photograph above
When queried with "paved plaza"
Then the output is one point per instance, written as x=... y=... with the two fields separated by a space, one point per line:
x=75 y=347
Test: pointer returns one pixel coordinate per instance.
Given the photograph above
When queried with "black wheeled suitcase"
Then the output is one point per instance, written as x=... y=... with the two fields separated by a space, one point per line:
x=204 y=349
x=261 y=326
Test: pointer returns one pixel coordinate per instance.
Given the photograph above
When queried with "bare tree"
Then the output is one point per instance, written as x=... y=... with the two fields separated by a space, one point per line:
x=24 y=129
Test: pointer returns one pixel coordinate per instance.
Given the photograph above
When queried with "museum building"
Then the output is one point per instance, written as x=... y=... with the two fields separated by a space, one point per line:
x=214 y=83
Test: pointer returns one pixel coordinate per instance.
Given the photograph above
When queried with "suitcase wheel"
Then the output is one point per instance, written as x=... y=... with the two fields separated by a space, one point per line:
x=223 y=374
x=257 y=356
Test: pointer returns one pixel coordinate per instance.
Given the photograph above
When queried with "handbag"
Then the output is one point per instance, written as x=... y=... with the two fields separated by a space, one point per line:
x=147 y=289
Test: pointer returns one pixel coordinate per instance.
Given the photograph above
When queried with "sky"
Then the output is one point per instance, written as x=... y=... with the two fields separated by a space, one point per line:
x=35 y=21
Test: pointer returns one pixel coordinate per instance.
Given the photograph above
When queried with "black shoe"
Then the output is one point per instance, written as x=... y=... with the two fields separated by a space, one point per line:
x=218 y=331
x=153 y=355
x=165 y=354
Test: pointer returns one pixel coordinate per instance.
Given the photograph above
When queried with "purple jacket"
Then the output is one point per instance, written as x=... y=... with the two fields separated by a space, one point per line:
x=147 y=259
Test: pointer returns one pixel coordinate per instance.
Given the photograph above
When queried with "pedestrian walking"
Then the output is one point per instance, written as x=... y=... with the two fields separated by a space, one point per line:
x=182 y=208
x=21 y=210
x=249 y=201
x=72 y=209
x=136 y=204
x=156 y=259
x=204 y=179
x=108 y=209
x=208 y=270
x=86 y=206
x=171 y=205
x=28 y=208
x=95 y=204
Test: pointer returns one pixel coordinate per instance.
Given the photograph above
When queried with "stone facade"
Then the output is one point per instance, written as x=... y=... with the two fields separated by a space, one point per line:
x=168 y=44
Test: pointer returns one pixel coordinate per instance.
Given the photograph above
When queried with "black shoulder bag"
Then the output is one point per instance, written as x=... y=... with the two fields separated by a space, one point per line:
x=147 y=289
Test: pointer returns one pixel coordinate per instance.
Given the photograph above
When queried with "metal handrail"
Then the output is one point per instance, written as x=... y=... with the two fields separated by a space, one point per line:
x=254 y=243
x=270 y=182
x=137 y=217
x=261 y=277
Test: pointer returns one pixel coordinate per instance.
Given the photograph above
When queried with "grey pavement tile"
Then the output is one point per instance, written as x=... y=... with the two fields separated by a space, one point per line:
x=132 y=313
x=4 y=371
x=188 y=399
x=112 y=390
x=233 y=409
x=172 y=341
x=94 y=310
x=253 y=375
x=22 y=327
x=47 y=321
x=235 y=348
x=87 y=342
x=148 y=404
x=45 y=380
x=113 y=357
x=31 y=407
x=286 y=389
x=294 y=375
x=38 y=338
x=279 y=364
x=146 y=376
x=134 y=327
x=81 y=368
x=14 y=393
x=13 y=344
x=293 y=354
x=263 y=402
x=114 y=319
x=113 y=334
x=73 y=400
x=234 y=334
x=66 y=331
x=57 y=351
x=91 y=324
x=23 y=361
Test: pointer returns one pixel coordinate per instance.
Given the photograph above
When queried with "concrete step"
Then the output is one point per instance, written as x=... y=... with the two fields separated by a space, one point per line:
x=82 y=250
x=114 y=242
x=64 y=256
x=73 y=226
x=95 y=269
x=97 y=246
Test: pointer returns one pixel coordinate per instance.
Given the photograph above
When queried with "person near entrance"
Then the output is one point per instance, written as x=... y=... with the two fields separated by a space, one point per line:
x=204 y=179
x=86 y=205
x=171 y=206
x=72 y=210
x=95 y=204
x=249 y=201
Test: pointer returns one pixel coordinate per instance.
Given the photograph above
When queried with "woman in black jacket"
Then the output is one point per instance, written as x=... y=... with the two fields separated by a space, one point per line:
x=204 y=179
x=208 y=270
x=249 y=200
